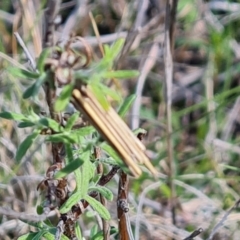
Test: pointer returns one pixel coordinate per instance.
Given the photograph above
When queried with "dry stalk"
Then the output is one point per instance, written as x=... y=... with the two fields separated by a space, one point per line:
x=168 y=61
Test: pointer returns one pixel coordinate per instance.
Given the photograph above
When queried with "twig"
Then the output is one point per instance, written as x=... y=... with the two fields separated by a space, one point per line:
x=22 y=215
x=22 y=44
x=140 y=205
x=145 y=69
x=168 y=88
x=95 y=28
x=53 y=7
x=194 y=234
x=122 y=206
x=223 y=219
x=7 y=17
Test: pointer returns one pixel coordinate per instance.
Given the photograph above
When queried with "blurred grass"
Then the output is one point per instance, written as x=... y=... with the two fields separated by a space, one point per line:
x=207 y=177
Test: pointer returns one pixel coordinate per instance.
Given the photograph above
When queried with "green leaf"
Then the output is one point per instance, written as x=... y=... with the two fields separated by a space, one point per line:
x=93 y=231
x=61 y=137
x=102 y=190
x=71 y=201
x=107 y=50
x=108 y=161
x=71 y=121
x=120 y=74
x=22 y=73
x=39 y=210
x=69 y=152
x=165 y=190
x=124 y=108
x=87 y=172
x=25 y=145
x=13 y=116
x=100 y=97
x=98 y=207
x=71 y=137
x=139 y=131
x=98 y=236
x=49 y=236
x=112 y=153
x=78 y=231
x=71 y=167
x=26 y=124
x=84 y=131
x=39 y=235
x=34 y=88
x=28 y=236
x=110 y=92
x=50 y=123
x=41 y=60
x=117 y=47
x=82 y=177
x=64 y=98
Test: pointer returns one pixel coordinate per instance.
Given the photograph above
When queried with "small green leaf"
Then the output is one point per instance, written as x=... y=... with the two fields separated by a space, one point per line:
x=69 y=152
x=61 y=137
x=108 y=161
x=72 y=200
x=93 y=231
x=84 y=131
x=107 y=50
x=124 y=108
x=49 y=236
x=28 y=236
x=64 y=98
x=26 y=124
x=98 y=207
x=71 y=167
x=41 y=60
x=100 y=97
x=82 y=177
x=98 y=236
x=110 y=92
x=71 y=121
x=120 y=74
x=22 y=73
x=102 y=190
x=117 y=47
x=86 y=172
x=39 y=235
x=112 y=153
x=139 y=131
x=165 y=190
x=25 y=145
x=13 y=116
x=50 y=123
x=39 y=210
x=78 y=231
x=34 y=88
x=71 y=137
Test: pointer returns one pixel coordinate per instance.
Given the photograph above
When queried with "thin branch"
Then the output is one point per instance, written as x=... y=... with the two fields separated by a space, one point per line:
x=145 y=69
x=168 y=88
x=223 y=219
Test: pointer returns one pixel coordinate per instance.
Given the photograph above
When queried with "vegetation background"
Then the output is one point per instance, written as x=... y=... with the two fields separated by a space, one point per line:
x=204 y=143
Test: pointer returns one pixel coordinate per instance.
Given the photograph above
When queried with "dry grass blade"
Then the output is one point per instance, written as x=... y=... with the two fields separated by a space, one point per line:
x=115 y=131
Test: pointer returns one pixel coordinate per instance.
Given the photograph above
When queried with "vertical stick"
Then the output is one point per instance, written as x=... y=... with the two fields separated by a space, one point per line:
x=121 y=201
x=169 y=44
